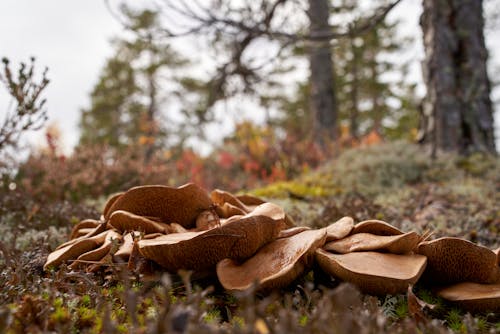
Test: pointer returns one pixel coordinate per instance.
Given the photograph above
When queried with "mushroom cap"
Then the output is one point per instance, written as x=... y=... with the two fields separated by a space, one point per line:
x=238 y=239
x=110 y=201
x=220 y=197
x=395 y=244
x=227 y=210
x=180 y=205
x=340 y=229
x=290 y=232
x=74 y=250
x=127 y=221
x=100 y=252
x=250 y=200
x=454 y=260
x=76 y=231
x=374 y=273
x=473 y=297
x=95 y=231
x=377 y=227
x=275 y=265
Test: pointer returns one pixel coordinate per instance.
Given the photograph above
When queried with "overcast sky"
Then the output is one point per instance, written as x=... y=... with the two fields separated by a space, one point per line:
x=72 y=38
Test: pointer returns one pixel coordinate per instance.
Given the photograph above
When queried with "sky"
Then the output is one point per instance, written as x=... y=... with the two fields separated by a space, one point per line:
x=72 y=38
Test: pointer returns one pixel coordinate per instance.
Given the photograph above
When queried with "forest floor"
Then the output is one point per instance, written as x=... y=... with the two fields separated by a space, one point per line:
x=396 y=182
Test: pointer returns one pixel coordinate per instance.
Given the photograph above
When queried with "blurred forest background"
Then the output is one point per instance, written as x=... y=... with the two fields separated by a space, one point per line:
x=320 y=76
x=310 y=104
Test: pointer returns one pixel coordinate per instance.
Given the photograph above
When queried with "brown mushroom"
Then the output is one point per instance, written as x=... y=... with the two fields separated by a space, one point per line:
x=275 y=265
x=109 y=203
x=180 y=205
x=74 y=250
x=395 y=244
x=207 y=220
x=473 y=297
x=373 y=272
x=290 y=232
x=340 y=229
x=227 y=210
x=98 y=253
x=220 y=197
x=95 y=231
x=83 y=226
x=198 y=251
x=125 y=249
x=125 y=221
x=250 y=200
x=377 y=227
x=454 y=260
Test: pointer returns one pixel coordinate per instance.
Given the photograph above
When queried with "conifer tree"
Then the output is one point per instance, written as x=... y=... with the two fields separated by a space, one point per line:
x=127 y=102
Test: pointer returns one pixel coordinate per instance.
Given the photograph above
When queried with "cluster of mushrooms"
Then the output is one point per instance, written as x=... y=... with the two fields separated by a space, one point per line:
x=249 y=241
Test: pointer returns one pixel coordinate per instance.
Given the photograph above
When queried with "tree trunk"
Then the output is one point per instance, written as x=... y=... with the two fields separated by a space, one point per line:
x=323 y=101
x=457 y=111
x=354 y=112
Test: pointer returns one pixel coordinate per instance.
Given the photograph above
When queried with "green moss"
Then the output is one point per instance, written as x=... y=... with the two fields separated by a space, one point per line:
x=212 y=317
x=292 y=188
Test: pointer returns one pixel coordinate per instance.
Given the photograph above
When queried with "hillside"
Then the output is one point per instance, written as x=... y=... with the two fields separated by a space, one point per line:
x=394 y=182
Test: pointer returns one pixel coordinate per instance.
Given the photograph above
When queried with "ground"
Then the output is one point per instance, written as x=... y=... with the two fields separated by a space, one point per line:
x=396 y=182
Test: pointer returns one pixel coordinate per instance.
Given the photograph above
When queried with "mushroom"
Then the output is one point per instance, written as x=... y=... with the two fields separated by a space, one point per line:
x=180 y=205
x=125 y=249
x=372 y=272
x=74 y=250
x=275 y=265
x=207 y=220
x=238 y=239
x=97 y=230
x=109 y=203
x=473 y=297
x=220 y=197
x=98 y=253
x=250 y=200
x=227 y=210
x=290 y=232
x=83 y=227
x=125 y=221
x=395 y=244
x=454 y=260
x=340 y=229
x=377 y=227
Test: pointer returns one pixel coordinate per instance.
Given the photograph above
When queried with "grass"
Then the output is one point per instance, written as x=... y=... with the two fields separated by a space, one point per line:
x=394 y=182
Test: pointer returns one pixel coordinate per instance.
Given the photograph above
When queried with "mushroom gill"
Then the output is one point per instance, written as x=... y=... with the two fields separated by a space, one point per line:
x=180 y=205
x=238 y=239
x=372 y=272
x=454 y=260
x=395 y=244
x=275 y=265
x=473 y=297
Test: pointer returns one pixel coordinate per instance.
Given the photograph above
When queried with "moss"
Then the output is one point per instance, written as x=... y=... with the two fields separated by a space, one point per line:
x=292 y=189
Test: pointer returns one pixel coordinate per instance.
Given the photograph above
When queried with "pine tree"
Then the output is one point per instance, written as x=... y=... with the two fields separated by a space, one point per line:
x=126 y=102
x=367 y=100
